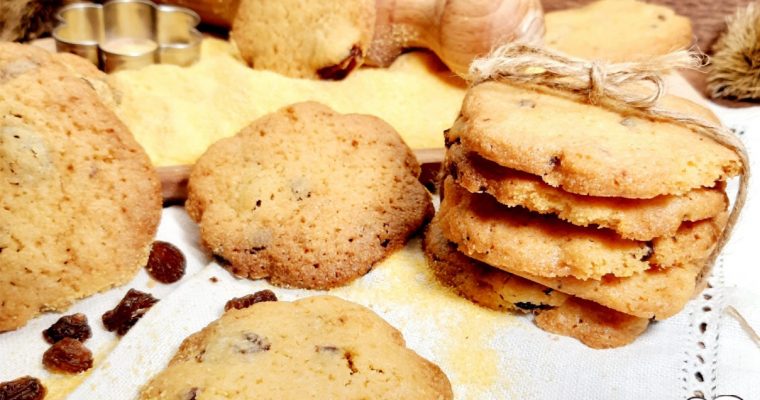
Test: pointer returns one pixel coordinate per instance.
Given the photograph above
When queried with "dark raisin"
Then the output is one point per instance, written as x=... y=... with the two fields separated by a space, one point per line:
x=68 y=355
x=530 y=306
x=166 y=262
x=252 y=343
x=240 y=303
x=343 y=68
x=69 y=326
x=192 y=394
x=24 y=388
x=650 y=251
x=126 y=314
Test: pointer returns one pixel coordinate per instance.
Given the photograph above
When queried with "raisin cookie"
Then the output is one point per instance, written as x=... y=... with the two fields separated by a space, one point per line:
x=315 y=348
x=307 y=197
x=594 y=325
x=315 y=39
x=512 y=237
x=80 y=200
x=587 y=149
x=637 y=219
x=617 y=30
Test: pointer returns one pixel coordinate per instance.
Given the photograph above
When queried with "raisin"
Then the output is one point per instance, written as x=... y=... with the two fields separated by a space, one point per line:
x=343 y=68
x=252 y=343
x=240 y=303
x=530 y=306
x=68 y=355
x=24 y=388
x=166 y=262
x=126 y=314
x=69 y=326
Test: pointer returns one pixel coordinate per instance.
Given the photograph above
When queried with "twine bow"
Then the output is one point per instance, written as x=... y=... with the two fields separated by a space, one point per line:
x=632 y=85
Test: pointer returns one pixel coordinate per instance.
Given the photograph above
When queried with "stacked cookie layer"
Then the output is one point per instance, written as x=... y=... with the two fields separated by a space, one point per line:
x=618 y=210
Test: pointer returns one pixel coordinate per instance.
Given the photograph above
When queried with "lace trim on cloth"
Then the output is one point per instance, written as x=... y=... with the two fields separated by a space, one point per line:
x=699 y=372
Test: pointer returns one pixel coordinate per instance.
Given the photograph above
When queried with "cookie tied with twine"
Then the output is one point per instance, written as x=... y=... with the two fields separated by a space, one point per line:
x=631 y=86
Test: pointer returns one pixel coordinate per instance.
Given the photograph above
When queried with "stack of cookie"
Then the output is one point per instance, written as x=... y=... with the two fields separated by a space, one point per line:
x=618 y=210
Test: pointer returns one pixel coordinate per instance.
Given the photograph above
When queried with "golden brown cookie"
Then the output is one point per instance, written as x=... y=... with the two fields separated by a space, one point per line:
x=595 y=326
x=617 y=30
x=514 y=238
x=80 y=201
x=307 y=197
x=637 y=219
x=482 y=284
x=318 y=347
x=315 y=39
x=590 y=150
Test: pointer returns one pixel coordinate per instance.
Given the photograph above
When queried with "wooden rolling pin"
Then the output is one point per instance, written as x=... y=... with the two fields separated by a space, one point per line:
x=174 y=178
x=456 y=30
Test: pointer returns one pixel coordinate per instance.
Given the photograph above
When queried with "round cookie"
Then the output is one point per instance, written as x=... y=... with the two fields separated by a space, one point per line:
x=544 y=245
x=315 y=39
x=80 y=200
x=590 y=150
x=17 y=59
x=480 y=283
x=617 y=31
x=594 y=325
x=636 y=219
x=307 y=197
x=318 y=347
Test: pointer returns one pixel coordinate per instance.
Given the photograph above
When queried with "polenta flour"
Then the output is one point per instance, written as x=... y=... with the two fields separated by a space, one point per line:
x=176 y=113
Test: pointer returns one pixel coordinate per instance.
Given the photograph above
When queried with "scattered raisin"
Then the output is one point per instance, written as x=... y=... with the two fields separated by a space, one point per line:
x=126 y=314
x=68 y=355
x=166 y=262
x=24 y=388
x=69 y=326
x=240 y=303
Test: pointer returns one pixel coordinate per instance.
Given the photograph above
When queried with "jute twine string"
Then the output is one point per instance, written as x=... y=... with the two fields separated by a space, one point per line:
x=635 y=86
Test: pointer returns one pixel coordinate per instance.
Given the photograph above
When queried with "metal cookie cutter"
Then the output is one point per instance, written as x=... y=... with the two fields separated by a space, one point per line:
x=126 y=34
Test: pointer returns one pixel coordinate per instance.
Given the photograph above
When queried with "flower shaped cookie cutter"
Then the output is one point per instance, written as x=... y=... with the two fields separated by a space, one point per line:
x=127 y=34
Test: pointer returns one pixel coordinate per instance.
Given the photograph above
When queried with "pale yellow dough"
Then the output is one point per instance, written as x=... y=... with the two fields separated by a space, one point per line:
x=176 y=113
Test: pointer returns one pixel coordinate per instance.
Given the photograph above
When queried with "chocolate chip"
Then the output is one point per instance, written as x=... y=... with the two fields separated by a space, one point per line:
x=24 y=388
x=69 y=326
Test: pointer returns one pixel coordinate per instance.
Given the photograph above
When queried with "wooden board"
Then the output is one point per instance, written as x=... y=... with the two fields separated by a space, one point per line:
x=174 y=178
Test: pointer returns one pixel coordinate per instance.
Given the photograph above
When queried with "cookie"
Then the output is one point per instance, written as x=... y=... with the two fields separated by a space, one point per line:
x=316 y=39
x=590 y=150
x=80 y=199
x=617 y=30
x=17 y=59
x=480 y=283
x=307 y=197
x=317 y=347
x=637 y=219
x=595 y=326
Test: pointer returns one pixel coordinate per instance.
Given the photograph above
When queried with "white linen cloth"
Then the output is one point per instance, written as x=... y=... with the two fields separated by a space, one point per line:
x=702 y=351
